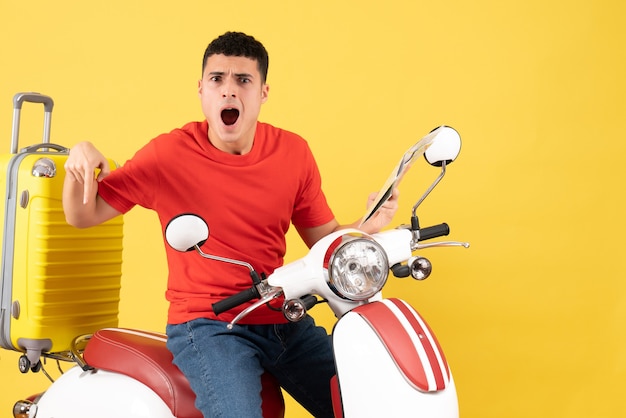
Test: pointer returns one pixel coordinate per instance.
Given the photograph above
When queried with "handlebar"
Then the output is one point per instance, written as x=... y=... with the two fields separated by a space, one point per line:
x=434 y=231
x=251 y=293
x=235 y=300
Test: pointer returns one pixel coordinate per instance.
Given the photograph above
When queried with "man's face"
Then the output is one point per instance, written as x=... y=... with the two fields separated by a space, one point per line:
x=231 y=93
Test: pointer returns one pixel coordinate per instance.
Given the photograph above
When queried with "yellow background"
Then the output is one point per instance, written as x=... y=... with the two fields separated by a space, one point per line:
x=531 y=316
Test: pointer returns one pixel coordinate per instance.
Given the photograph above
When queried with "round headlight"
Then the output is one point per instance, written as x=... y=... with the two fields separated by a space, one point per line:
x=357 y=267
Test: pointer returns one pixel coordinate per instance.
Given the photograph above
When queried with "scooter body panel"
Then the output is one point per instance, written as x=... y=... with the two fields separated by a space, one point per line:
x=379 y=377
x=100 y=394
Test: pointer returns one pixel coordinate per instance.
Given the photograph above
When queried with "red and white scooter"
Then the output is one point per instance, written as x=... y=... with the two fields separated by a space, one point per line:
x=388 y=360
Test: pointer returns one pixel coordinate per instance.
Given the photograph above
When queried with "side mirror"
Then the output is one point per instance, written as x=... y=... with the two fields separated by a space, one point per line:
x=445 y=146
x=186 y=231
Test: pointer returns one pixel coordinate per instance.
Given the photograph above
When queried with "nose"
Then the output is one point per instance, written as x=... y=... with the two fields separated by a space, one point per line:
x=229 y=89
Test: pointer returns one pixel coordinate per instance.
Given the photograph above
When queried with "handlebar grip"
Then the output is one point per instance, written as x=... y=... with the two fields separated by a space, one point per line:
x=434 y=231
x=235 y=300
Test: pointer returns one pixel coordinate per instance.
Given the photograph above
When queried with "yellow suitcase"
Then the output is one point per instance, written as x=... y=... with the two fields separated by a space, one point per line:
x=57 y=281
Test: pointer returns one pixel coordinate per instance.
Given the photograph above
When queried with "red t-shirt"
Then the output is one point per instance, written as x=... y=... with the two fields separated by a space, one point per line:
x=248 y=201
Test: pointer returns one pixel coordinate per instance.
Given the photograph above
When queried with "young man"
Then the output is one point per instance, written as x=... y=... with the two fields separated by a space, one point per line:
x=249 y=181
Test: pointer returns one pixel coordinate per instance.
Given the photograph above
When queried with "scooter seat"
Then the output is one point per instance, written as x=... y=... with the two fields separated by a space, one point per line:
x=143 y=356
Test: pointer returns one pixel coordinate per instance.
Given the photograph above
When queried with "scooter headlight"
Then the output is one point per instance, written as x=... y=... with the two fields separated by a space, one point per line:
x=357 y=267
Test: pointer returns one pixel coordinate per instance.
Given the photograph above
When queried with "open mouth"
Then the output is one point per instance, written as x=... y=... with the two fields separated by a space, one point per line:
x=230 y=116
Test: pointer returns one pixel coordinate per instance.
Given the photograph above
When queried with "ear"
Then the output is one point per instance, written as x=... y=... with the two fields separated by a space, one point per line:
x=265 y=93
x=199 y=88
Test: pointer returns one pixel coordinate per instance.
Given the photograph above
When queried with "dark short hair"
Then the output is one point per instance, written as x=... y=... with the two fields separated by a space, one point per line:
x=238 y=44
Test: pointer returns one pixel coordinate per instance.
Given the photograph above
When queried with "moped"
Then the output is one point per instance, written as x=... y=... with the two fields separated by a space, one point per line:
x=388 y=360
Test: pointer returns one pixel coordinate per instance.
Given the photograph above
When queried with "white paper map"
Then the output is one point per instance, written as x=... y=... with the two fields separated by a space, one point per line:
x=394 y=178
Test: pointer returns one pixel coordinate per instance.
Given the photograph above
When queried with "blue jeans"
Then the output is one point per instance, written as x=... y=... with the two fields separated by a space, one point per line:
x=224 y=367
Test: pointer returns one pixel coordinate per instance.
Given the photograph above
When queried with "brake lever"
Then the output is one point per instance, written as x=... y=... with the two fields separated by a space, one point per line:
x=440 y=244
x=273 y=294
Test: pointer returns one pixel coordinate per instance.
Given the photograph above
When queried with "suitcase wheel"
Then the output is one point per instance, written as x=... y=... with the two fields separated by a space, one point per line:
x=25 y=365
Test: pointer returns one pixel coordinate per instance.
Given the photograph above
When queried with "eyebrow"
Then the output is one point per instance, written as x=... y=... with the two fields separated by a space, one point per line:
x=221 y=73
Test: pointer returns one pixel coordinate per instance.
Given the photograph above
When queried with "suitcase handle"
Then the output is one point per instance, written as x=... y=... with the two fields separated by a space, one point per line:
x=31 y=97
x=47 y=145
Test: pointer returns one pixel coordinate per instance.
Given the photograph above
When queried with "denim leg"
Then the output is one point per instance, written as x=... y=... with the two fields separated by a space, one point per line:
x=222 y=367
x=303 y=363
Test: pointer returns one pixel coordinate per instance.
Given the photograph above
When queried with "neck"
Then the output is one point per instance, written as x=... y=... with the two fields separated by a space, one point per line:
x=239 y=146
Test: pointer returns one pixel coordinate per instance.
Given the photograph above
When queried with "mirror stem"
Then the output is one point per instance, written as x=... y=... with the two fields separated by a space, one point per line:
x=430 y=189
x=225 y=260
